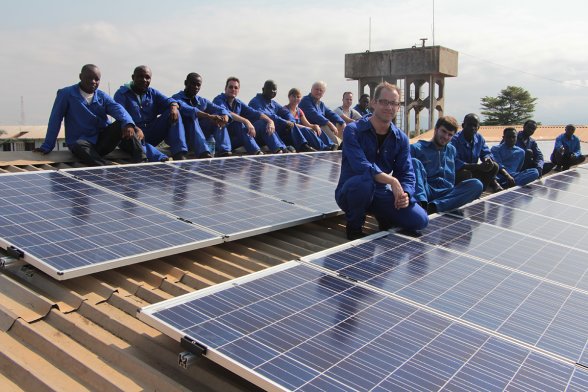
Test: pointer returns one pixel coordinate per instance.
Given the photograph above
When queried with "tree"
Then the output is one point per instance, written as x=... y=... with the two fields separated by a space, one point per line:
x=514 y=105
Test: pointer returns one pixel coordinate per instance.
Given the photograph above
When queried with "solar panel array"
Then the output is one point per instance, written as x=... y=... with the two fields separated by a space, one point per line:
x=483 y=299
x=79 y=221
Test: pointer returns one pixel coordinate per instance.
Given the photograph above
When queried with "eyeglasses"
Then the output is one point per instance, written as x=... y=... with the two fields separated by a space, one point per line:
x=385 y=102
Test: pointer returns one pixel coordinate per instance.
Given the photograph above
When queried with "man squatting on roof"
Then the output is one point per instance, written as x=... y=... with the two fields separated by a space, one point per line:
x=373 y=147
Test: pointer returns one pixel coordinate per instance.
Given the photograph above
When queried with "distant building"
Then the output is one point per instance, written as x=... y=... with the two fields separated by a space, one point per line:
x=27 y=137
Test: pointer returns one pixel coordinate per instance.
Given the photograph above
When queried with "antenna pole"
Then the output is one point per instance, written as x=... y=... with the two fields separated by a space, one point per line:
x=370 y=36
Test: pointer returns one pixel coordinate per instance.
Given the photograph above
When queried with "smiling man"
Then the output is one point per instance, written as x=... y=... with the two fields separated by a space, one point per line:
x=154 y=114
x=376 y=171
x=88 y=132
x=318 y=113
x=434 y=167
x=201 y=119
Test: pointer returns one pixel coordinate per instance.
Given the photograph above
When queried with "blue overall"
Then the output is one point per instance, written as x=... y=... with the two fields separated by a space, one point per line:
x=197 y=130
x=512 y=160
x=318 y=113
x=151 y=113
x=358 y=193
x=234 y=134
x=434 y=170
x=311 y=138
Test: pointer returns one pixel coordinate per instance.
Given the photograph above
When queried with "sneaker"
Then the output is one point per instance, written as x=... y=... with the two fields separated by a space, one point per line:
x=333 y=147
x=354 y=234
x=258 y=152
x=289 y=149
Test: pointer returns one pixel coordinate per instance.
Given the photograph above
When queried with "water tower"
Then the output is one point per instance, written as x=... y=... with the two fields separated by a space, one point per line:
x=420 y=73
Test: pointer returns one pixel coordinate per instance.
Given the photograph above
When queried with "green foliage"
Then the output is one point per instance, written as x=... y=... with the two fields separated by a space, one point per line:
x=514 y=105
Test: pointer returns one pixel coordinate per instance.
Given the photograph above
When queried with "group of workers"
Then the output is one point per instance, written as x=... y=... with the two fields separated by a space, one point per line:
x=381 y=172
x=401 y=184
x=145 y=117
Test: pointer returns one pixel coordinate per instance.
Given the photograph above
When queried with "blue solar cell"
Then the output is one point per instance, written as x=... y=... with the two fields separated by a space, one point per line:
x=541 y=258
x=532 y=224
x=291 y=187
x=217 y=205
x=544 y=207
x=517 y=305
x=351 y=337
x=314 y=165
x=69 y=226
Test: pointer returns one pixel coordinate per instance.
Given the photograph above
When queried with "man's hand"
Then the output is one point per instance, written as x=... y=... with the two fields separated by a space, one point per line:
x=401 y=199
x=221 y=121
x=316 y=129
x=486 y=166
x=289 y=124
x=250 y=128
x=139 y=133
x=270 y=128
x=41 y=150
x=510 y=181
x=174 y=112
x=333 y=128
x=128 y=131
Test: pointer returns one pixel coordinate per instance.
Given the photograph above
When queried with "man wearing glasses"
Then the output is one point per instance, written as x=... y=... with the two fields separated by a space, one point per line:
x=376 y=173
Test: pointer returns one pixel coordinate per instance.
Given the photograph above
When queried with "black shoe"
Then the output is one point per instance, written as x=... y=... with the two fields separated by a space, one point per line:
x=431 y=209
x=205 y=155
x=307 y=148
x=180 y=156
x=258 y=152
x=225 y=154
x=333 y=147
x=354 y=234
x=288 y=149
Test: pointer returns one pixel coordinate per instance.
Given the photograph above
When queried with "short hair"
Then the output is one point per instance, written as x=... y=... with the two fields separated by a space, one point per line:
x=141 y=67
x=320 y=83
x=232 y=79
x=88 y=67
x=471 y=116
x=193 y=75
x=530 y=122
x=450 y=123
x=294 y=91
x=386 y=86
x=507 y=130
x=346 y=92
x=362 y=96
x=570 y=126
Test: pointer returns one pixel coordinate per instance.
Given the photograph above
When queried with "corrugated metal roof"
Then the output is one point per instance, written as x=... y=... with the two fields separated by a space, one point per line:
x=83 y=334
x=494 y=133
x=36 y=132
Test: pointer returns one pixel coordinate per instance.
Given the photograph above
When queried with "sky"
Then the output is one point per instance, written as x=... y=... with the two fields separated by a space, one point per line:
x=535 y=44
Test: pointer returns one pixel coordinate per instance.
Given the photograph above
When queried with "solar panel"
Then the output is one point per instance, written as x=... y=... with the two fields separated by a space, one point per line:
x=214 y=204
x=533 y=224
x=540 y=258
x=289 y=186
x=331 y=156
x=556 y=191
x=523 y=307
x=311 y=164
x=67 y=228
x=295 y=328
x=544 y=207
